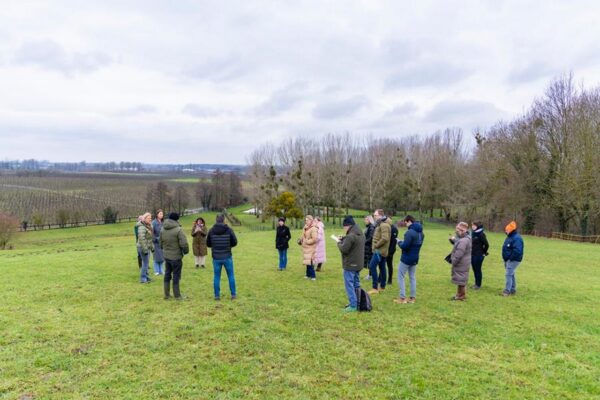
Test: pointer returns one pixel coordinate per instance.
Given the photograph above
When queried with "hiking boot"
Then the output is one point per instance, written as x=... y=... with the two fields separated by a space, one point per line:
x=202 y=266
x=167 y=289
x=217 y=298
x=373 y=291
x=197 y=266
x=456 y=298
x=475 y=287
x=412 y=300
x=400 y=300
x=505 y=294
x=350 y=309
x=233 y=297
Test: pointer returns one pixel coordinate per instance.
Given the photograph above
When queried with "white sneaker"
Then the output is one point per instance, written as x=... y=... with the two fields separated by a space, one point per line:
x=157 y=273
x=313 y=279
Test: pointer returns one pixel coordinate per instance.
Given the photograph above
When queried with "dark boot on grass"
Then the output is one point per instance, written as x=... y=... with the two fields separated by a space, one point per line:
x=177 y=293
x=167 y=287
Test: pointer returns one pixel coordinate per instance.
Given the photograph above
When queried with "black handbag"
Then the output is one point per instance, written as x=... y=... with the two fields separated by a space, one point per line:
x=448 y=258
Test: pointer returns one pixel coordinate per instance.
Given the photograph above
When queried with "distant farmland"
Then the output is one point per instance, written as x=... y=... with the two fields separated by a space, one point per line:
x=81 y=197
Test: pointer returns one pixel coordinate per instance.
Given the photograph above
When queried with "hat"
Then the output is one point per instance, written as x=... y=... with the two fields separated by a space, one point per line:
x=512 y=226
x=174 y=216
x=220 y=219
x=348 y=221
x=282 y=219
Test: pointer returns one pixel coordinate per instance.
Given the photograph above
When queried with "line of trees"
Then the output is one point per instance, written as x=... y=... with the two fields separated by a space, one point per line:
x=221 y=190
x=542 y=168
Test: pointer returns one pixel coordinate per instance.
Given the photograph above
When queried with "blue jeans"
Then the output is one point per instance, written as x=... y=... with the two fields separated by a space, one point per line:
x=158 y=267
x=351 y=283
x=412 y=276
x=282 y=258
x=511 y=278
x=217 y=268
x=144 y=270
x=310 y=271
x=378 y=261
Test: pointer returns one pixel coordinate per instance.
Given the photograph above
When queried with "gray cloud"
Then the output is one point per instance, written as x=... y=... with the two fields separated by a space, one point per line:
x=50 y=55
x=402 y=110
x=282 y=100
x=465 y=111
x=221 y=69
x=340 y=108
x=426 y=74
x=532 y=71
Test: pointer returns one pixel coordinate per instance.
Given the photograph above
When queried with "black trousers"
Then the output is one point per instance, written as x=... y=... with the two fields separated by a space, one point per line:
x=390 y=267
x=477 y=263
x=173 y=269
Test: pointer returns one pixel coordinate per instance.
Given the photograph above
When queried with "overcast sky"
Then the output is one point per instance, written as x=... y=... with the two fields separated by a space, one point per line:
x=198 y=81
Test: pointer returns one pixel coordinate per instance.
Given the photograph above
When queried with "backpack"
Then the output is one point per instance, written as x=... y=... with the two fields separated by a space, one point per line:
x=364 y=300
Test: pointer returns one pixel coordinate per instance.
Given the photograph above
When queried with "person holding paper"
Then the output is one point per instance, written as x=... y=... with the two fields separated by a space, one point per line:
x=352 y=247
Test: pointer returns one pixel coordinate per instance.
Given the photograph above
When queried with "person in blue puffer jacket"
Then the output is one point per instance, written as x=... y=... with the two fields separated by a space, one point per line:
x=411 y=247
x=512 y=254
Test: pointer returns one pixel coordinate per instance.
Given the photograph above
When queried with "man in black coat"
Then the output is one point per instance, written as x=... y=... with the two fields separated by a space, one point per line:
x=221 y=239
x=479 y=250
x=282 y=238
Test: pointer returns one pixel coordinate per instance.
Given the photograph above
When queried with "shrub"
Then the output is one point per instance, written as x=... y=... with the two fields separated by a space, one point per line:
x=8 y=225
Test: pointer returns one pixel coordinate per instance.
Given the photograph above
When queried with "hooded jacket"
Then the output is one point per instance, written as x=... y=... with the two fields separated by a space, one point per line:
x=381 y=237
x=479 y=242
x=221 y=239
x=352 y=247
x=144 y=238
x=173 y=241
x=513 y=247
x=411 y=245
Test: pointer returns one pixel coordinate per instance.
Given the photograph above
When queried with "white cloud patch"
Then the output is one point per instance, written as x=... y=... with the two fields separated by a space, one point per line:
x=50 y=55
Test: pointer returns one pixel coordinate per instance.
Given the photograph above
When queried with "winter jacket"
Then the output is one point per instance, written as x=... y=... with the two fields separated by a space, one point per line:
x=513 y=247
x=352 y=247
x=369 y=231
x=411 y=244
x=393 y=241
x=173 y=241
x=158 y=254
x=320 y=253
x=480 y=244
x=381 y=237
x=199 y=241
x=144 y=238
x=308 y=241
x=221 y=239
x=461 y=260
x=282 y=237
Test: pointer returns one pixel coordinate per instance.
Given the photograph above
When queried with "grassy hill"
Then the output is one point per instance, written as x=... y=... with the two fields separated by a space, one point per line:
x=75 y=323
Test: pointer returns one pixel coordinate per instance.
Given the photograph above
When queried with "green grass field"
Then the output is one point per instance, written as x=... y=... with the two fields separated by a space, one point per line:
x=75 y=323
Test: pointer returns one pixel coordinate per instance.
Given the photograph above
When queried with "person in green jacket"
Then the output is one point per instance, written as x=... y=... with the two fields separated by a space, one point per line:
x=352 y=247
x=381 y=246
x=174 y=245
x=144 y=244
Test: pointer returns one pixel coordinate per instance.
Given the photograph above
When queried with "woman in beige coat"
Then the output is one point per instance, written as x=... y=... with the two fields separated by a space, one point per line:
x=308 y=241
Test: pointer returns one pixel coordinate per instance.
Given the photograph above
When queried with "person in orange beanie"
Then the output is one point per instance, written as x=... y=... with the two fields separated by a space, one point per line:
x=512 y=254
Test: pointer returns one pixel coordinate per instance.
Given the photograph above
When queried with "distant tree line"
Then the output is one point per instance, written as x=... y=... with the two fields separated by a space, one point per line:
x=542 y=168
x=219 y=191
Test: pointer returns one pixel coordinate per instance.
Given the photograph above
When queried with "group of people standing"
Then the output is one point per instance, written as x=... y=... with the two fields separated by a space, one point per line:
x=168 y=243
x=373 y=247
